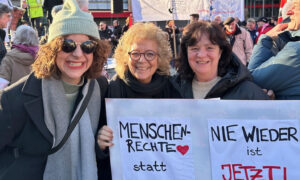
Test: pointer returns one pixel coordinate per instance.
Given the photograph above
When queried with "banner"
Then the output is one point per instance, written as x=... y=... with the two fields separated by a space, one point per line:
x=162 y=10
x=204 y=139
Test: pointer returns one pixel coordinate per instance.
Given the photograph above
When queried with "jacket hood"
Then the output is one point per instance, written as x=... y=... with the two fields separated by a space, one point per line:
x=20 y=57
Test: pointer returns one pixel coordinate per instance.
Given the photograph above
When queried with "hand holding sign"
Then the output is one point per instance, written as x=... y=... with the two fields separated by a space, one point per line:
x=105 y=137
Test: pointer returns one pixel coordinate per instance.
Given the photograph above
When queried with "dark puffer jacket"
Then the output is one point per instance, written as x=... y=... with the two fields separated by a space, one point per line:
x=235 y=84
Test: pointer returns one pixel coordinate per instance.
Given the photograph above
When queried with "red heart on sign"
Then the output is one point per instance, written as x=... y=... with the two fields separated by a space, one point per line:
x=182 y=149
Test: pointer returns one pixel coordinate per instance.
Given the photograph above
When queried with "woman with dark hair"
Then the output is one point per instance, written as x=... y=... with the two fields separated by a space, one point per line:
x=208 y=69
x=49 y=119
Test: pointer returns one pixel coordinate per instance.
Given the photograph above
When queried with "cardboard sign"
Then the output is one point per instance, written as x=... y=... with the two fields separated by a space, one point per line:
x=204 y=139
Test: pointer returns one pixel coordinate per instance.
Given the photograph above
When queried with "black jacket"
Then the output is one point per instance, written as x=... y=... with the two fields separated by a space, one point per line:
x=105 y=34
x=159 y=87
x=21 y=124
x=235 y=84
x=3 y=50
x=49 y=4
x=25 y=140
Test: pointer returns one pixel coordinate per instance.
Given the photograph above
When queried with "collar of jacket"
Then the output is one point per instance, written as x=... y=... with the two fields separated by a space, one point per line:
x=237 y=30
x=34 y=105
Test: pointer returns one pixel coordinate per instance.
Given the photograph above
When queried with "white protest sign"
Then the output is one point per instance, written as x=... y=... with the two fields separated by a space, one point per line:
x=249 y=149
x=144 y=141
x=162 y=10
x=202 y=159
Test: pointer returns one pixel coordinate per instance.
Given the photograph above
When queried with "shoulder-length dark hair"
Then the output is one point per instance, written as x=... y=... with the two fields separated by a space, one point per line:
x=45 y=66
x=191 y=36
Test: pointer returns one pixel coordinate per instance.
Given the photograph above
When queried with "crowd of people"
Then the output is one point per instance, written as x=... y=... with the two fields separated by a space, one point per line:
x=52 y=111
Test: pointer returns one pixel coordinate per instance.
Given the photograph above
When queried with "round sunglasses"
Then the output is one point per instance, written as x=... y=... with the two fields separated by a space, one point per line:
x=87 y=47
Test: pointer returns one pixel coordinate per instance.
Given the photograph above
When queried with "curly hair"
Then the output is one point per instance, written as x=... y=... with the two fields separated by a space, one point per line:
x=138 y=32
x=44 y=66
x=191 y=35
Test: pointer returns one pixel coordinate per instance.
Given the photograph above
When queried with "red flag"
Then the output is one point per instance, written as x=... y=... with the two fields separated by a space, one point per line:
x=282 y=3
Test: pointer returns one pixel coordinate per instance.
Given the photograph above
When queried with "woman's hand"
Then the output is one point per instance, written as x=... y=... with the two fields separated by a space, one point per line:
x=270 y=93
x=105 y=137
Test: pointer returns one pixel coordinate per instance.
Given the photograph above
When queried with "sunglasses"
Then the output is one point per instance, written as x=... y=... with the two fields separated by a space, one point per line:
x=86 y=47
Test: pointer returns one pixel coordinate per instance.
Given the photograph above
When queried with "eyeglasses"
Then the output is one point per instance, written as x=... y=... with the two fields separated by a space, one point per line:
x=136 y=55
x=87 y=46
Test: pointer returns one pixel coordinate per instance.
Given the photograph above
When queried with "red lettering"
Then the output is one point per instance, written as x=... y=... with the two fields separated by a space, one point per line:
x=245 y=170
x=229 y=167
x=271 y=170
x=284 y=173
x=235 y=171
x=257 y=175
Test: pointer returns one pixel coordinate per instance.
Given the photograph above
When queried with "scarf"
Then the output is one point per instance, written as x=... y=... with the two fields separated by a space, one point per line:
x=157 y=88
x=230 y=36
x=76 y=160
x=29 y=49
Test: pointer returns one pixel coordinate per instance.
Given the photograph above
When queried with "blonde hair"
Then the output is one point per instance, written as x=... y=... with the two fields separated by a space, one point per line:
x=139 y=32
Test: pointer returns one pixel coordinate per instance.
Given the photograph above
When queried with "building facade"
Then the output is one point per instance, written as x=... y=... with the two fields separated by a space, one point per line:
x=259 y=8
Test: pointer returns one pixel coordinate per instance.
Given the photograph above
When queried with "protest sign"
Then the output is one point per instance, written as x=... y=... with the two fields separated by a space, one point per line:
x=250 y=149
x=158 y=10
x=204 y=139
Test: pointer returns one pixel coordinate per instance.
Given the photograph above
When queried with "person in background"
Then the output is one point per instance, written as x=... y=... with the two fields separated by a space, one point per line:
x=218 y=20
x=36 y=112
x=173 y=32
x=34 y=11
x=48 y=5
x=207 y=68
x=104 y=31
x=142 y=65
x=275 y=62
x=116 y=34
x=251 y=27
x=5 y=16
x=194 y=18
x=238 y=21
x=273 y=21
x=239 y=39
x=17 y=62
x=7 y=31
x=263 y=26
x=126 y=25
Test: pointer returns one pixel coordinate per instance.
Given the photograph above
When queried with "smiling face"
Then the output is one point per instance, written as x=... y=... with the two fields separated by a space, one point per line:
x=74 y=64
x=142 y=69
x=203 y=59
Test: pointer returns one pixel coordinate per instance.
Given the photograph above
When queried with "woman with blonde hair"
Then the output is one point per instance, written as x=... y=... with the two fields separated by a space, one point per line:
x=49 y=119
x=142 y=65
